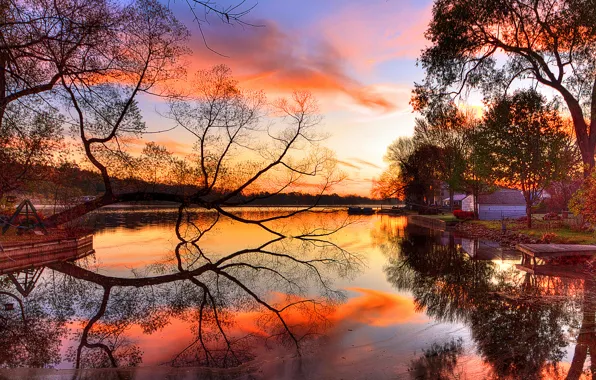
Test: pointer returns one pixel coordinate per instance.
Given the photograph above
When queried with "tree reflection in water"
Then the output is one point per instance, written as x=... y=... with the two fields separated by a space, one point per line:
x=518 y=321
x=284 y=281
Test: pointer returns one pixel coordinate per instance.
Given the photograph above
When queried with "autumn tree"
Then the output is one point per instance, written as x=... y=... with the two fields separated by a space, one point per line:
x=243 y=144
x=523 y=136
x=551 y=42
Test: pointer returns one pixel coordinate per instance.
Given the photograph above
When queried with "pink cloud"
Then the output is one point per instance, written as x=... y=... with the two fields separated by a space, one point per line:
x=369 y=33
x=272 y=59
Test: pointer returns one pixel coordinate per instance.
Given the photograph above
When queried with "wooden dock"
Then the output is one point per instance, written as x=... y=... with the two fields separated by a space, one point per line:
x=575 y=272
x=546 y=251
x=32 y=255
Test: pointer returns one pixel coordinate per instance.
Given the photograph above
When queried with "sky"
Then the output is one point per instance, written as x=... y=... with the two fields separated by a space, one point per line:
x=357 y=57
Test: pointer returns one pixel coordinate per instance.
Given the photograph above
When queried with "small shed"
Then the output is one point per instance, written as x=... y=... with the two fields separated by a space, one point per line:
x=503 y=203
x=457 y=199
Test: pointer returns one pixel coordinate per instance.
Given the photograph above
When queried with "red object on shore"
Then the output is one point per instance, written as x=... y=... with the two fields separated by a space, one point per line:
x=459 y=214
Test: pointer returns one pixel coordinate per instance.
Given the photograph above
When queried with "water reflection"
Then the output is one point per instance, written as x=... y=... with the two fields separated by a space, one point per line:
x=207 y=291
x=221 y=294
x=520 y=322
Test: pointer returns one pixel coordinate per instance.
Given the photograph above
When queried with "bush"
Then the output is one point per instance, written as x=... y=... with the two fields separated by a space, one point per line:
x=548 y=237
x=460 y=214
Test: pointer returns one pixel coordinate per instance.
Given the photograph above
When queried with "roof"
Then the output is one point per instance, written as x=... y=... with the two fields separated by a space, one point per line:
x=503 y=197
x=457 y=197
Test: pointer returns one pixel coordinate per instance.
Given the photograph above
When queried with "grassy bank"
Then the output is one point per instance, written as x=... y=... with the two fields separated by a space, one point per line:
x=445 y=218
x=558 y=231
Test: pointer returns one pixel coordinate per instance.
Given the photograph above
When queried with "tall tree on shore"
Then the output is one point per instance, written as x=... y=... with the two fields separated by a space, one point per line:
x=552 y=42
x=413 y=171
x=446 y=129
x=524 y=137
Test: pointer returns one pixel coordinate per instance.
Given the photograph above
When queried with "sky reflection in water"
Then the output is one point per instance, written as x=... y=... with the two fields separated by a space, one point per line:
x=413 y=304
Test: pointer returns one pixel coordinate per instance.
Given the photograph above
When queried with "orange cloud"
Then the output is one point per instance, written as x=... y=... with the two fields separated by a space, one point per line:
x=377 y=308
x=269 y=58
x=365 y=163
x=348 y=164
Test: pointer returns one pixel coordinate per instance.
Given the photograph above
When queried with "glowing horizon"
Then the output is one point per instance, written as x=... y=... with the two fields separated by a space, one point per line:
x=357 y=59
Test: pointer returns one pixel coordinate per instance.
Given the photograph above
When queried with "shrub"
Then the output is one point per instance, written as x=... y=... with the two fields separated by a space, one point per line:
x=548 y=237
x=460 y=214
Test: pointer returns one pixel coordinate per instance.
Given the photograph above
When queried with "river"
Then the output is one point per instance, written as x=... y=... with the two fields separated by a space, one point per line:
x=366 y=297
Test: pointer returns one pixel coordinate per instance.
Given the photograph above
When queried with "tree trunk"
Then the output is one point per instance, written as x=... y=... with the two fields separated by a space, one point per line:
x=451 y=198
x=529 y=213
x=79 y=210
x=475 y=192
x=587 y=152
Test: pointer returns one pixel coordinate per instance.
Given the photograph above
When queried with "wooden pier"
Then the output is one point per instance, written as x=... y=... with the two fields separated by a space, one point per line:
x=546 y=251
x=531 y=252
x=575 y=272
x=31 y=255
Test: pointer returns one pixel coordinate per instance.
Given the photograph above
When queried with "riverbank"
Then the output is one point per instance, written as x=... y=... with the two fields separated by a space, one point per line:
x=518 y=233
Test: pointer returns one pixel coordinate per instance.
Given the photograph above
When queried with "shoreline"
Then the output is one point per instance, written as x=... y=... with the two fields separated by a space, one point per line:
x=509 y=239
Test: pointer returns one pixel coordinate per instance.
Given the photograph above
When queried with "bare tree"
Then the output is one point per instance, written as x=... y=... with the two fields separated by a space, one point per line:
x=242 y=146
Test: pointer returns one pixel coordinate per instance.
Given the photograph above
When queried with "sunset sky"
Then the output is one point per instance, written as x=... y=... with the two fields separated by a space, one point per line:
x=358 y=58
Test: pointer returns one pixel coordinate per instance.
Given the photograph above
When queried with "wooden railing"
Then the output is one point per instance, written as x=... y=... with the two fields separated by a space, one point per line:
x=24 y=256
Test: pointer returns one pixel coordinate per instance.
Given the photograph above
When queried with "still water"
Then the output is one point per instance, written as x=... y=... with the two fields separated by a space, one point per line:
x=198 y=295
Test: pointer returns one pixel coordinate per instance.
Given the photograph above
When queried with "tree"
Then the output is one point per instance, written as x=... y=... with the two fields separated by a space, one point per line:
x=446 y=129
x=391 y=182
x=524 y=138
x=552 y=42
x=413 y=171
x=50 y=47
x=30 y=142
x=44 y=41
x=243 y=145
x=477 y=175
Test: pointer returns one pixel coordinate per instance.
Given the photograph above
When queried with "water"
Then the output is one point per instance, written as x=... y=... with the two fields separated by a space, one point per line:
x=217 y=298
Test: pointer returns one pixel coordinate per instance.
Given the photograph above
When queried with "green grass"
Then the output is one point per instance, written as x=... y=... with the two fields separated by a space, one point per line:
x=446 y=218
x=564 y=234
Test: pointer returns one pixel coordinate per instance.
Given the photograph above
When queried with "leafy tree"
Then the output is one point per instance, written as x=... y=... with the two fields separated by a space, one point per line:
x=551 y=42
x=446 y=129
x=522 y=135
x=30 y=141
x=413 y=171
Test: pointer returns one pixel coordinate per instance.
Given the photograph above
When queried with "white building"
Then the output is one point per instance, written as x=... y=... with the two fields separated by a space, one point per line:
x=503 y=203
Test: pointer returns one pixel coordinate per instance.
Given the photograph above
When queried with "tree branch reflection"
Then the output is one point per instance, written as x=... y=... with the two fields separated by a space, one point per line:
x=284 y=283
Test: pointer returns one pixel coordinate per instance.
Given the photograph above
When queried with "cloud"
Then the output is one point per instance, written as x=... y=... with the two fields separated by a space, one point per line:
x=369 y=33
x=347 y=164
x=365 y=163
x=275 y=60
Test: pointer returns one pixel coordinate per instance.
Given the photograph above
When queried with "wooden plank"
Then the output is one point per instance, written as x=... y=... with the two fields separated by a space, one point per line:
x=556 y=250
x=564 y=271
x=33 y=255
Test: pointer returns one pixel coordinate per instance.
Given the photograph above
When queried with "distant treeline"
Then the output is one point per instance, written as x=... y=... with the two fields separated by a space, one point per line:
x=297 y=198
x=69 y=182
